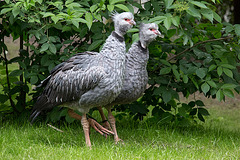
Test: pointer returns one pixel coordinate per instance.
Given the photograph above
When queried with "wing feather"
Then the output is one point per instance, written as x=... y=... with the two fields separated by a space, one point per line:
x=68 y=81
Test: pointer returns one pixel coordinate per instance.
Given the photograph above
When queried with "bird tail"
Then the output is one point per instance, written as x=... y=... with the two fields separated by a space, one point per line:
x=41 y=105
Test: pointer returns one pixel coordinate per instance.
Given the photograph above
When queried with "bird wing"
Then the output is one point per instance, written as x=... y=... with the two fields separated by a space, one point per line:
x=69 y=81
x=61 y=65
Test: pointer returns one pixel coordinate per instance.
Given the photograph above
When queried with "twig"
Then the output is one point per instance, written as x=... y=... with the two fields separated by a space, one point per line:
x=59 y=130
x=7 y=76
x=190 y=48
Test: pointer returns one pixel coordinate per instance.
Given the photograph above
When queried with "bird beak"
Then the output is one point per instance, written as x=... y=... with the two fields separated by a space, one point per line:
x=132 y=22
x=157 y=32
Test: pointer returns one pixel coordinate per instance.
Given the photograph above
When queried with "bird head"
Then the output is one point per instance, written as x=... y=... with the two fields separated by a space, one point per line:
x=123 y=22
x=147 y=33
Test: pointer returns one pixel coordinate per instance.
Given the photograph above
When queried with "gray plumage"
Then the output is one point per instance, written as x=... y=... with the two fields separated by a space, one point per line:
x=88 y=79
x=136 y=76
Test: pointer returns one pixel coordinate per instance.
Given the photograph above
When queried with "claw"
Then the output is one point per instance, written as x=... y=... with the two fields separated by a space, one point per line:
x=118 y=141
x=100 y=129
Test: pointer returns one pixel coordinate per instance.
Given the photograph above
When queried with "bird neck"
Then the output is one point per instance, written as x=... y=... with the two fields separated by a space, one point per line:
x=118 y=36
x=119 y=33
x=143 y=43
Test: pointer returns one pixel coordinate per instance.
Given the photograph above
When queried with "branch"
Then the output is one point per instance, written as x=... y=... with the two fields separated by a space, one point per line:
x=7 y=76
x=190 y=48
x=59 y=130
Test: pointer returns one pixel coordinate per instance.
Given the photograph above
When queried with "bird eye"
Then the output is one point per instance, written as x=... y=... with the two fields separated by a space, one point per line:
x=127 y=19
x=152 y=29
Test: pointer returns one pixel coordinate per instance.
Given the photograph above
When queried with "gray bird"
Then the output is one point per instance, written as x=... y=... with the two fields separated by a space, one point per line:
x=136 y=76
x=88 y=79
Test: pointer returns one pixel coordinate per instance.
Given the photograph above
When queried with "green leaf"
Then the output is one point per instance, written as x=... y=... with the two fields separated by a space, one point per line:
x=110 y=7
x=228 y=66
x=185 y=40
x=199 y=103
x=75 y=23
x=200 y=117
x=228 y=92
x=34 y=80
x=94 y=45
x=228 y=72
x=212 y=84
x=15 y=11
x=47 y=14
x=219 y=95
x=203 y=111
x=5 y=10
x=168 y=3
x=199 y=4
x=115 y=1
x=163 y=61
x=212 y=67
x=89 y=19
x=185 y=79
x=43 y=39
x=23 y=65
x=165 y=70
x=176 y=74
x=123 y=7
x=205 y=87
x=237 y=29
x=217 y=17
x=168 y=21
x=80 y=20
x=51 y=66
x=219 y=71
x=55 y=19
x=194 y=82
x=176 y=21
x=158 y=18
x=193 y=12
x=52 y=48
x=201 y=72
x=157 y=91
x=93 y=7
x=66 y=28
x=44 y=47
x=133 y=30
x=229 y=86
x=207 y=13
x=16 y=73
x=166 y=96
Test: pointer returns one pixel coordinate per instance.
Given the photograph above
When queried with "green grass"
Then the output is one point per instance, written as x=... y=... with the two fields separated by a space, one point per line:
x=218 y=138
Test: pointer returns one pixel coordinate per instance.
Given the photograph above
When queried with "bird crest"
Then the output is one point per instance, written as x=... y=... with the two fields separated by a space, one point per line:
x=114 y=14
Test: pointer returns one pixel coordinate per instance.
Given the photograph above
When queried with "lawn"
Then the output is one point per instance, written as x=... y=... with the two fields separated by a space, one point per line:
x=218 y=138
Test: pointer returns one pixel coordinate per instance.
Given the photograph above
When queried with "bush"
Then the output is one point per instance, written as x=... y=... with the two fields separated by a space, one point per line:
x=199 y=53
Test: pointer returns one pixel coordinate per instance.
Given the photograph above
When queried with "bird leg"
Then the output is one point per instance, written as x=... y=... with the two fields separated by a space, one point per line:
x=104 y=119
x=112 y=122
x=95 y=125
x=85 y=125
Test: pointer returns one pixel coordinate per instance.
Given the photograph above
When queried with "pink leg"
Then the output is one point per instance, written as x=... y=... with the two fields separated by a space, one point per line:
x=104 y=119
x=112 y=122
x=85 y=125
x=95 y=125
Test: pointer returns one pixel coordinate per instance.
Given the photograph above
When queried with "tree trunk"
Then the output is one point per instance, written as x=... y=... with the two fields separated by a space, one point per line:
x=236 y=4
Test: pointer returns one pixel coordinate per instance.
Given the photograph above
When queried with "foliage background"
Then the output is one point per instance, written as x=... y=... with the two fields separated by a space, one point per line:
x=199 y=52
